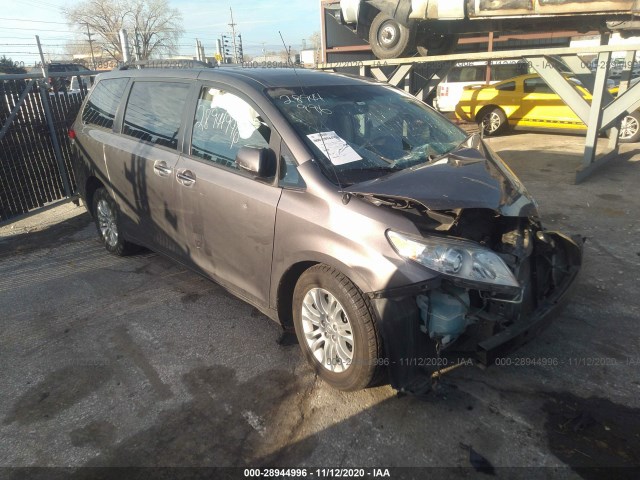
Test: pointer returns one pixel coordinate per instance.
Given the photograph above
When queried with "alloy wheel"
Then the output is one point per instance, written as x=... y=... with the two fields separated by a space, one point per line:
x=327 y=330
x=628 y=127
x=107 y=223
x=491 y=122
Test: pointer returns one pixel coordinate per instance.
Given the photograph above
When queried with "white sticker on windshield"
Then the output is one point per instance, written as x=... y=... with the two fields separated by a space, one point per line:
x=335 y=148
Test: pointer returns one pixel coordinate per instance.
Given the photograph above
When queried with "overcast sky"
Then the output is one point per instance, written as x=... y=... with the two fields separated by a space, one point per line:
x=257 y=20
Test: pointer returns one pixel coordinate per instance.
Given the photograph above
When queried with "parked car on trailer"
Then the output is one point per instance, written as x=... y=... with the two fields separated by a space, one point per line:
x=342 y=208
x=528 y=103
x=399 y=28
x=463 y=74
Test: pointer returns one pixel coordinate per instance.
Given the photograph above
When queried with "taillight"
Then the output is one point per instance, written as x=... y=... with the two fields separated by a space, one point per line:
x=72 y=134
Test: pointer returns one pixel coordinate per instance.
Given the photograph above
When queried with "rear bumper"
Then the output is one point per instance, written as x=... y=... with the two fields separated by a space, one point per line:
x=411 y=355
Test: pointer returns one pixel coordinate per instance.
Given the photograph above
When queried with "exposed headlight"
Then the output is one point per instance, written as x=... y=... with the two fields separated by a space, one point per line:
x=456 y=258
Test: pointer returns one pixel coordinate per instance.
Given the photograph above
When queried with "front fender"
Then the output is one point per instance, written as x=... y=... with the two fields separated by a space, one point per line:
x=398 y=9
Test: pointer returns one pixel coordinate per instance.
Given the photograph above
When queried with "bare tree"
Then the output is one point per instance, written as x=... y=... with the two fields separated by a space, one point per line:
x=316 y=42
x=158 y=26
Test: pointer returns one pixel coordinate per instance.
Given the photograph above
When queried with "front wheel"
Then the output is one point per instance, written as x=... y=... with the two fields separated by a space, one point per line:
x=390 y=39
x=630 y=128
x=492 y=121
x=336 y=328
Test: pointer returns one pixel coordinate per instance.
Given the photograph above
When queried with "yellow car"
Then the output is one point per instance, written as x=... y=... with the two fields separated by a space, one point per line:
x=527 y=103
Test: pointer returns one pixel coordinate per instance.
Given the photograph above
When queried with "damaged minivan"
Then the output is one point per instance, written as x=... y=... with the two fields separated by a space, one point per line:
x=387 y=238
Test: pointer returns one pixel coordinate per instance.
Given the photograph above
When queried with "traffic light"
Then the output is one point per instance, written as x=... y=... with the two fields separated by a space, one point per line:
x=227 y=49
x=240 y=57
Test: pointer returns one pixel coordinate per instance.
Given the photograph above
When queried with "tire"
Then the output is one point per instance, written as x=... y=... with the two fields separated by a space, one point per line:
x=390 y=39
x=106 y=218
x=630 y=128
x=436 y=44
x=348 y=347
x=492 y=120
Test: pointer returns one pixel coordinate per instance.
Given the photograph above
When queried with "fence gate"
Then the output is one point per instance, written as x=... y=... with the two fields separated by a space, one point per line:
x=35 y=151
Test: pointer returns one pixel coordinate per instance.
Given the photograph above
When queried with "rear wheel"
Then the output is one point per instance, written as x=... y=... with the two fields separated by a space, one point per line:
x=492 y=120
x=389 y=38
x=106 y=217
x=336 y=328
x=430 y=44
x=630 y=128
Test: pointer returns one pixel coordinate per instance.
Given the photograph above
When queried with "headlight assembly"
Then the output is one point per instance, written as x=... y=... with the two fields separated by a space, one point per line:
x=455 y=258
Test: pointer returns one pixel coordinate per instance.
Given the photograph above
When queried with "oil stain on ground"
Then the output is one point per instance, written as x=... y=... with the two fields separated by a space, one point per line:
x=59 y=391
x=225 y=424
x=594 y=435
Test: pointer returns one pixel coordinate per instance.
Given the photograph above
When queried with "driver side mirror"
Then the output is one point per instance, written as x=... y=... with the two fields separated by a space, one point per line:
x=259 y=161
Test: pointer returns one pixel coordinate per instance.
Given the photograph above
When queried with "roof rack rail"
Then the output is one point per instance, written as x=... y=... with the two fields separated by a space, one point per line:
x=167 y=63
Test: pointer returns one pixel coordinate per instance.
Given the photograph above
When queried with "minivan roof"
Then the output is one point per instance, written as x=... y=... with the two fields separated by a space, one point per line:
x=254 y=77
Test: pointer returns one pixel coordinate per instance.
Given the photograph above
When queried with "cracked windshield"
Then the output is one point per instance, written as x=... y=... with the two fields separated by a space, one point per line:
x=360 y=133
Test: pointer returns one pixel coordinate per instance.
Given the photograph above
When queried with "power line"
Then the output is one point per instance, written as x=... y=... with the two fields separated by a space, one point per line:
x=32 y=21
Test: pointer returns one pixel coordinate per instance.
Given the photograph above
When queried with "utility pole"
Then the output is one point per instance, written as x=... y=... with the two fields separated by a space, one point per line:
x=93 y=60
x=233 y=36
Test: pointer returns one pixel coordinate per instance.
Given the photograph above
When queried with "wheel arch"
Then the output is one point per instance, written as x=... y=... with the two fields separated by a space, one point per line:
x=366 y=14
x=92 y=184
x=398 y=9
x=288 y=280
x=484 y=108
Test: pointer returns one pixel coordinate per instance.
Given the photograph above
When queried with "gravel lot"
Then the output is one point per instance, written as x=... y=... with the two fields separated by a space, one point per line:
x=136 y=361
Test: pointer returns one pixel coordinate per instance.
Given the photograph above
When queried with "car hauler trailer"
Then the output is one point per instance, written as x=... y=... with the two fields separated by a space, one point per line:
x=399 y=28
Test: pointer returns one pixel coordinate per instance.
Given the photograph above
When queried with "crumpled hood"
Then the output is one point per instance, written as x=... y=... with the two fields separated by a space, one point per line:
x=471 y=176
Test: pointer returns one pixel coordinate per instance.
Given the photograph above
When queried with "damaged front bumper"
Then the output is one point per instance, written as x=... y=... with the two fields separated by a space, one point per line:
x=495 y=325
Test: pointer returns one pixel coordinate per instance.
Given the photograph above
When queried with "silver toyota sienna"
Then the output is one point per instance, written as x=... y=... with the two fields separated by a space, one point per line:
x=344 y=209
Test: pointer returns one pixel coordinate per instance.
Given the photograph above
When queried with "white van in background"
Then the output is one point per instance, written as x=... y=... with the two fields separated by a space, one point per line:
x=449 y=90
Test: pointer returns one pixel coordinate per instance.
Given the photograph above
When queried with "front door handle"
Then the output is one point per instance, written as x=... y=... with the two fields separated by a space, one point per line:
x=160 y=167
x=186 y=178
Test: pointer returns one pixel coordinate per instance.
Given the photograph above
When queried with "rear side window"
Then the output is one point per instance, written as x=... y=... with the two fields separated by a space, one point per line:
x=474 y=73
x=103 y=102
x=154 y=112
x=509 y=86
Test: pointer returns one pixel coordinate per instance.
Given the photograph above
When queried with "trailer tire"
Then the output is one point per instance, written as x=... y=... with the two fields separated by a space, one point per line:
x=429 y=44
x=390 y=39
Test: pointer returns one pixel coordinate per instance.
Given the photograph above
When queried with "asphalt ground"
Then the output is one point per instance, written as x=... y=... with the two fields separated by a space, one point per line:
x=136 y=361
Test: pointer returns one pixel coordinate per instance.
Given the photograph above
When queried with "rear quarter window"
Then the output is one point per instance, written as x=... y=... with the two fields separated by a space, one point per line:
x=103 y=102
x=509 y=87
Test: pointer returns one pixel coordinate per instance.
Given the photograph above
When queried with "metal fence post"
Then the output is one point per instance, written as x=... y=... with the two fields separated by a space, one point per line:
x=44 y=95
